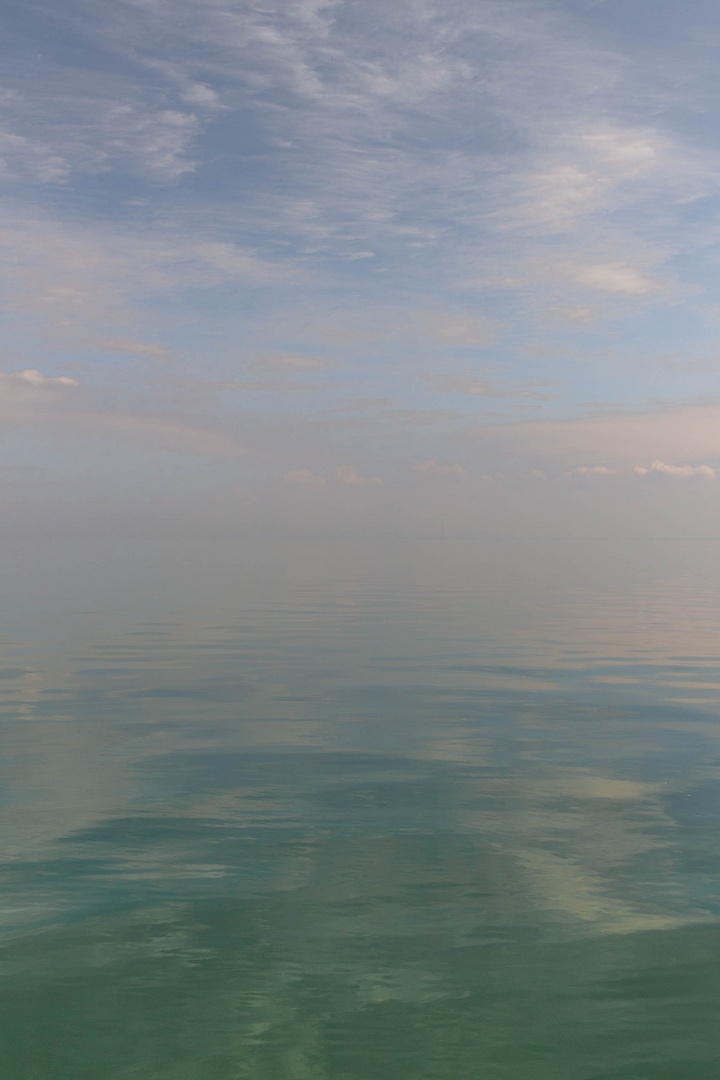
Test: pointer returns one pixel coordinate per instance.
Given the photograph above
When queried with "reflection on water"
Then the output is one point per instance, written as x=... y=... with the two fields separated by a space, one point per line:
x=322 y=811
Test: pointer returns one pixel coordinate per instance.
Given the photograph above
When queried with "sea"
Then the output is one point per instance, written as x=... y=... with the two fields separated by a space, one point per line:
x=381 y=809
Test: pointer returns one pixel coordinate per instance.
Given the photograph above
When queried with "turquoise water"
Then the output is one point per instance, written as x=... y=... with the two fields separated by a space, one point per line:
x=360 y=812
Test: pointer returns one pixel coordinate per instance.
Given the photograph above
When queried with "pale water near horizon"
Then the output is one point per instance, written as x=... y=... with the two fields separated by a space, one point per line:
x=345 y=811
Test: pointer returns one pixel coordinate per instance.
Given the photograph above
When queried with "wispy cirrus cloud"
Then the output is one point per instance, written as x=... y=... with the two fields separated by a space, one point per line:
x=80 y=281
x=478 y=386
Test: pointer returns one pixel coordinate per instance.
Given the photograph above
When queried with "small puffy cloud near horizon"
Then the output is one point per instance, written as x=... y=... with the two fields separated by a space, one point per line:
x=678 y=472
x=348 y=475
x=304 y=478
x=250 y=238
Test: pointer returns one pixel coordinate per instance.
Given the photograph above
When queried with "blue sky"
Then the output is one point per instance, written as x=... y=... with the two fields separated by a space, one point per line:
x=344 y=265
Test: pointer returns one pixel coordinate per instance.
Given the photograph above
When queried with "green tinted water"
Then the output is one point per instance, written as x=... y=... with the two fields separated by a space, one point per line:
x=355 y=813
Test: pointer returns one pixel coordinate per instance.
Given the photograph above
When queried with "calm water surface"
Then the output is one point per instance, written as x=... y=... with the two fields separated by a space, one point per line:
x=342 y=812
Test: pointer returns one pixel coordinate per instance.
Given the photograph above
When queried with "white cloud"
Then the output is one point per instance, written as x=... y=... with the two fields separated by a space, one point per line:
x=614 y=278
x=656 y=468
x=73 y=122
x=36 y=378
x=679 y=472
x=154 y=142
x=304 y=478
x=348 y=474
x=24 y=158
x=234 y=261
x=583 y=173
x=346 y=81
x=28 y=389
x=129 y=348
x=201 y=95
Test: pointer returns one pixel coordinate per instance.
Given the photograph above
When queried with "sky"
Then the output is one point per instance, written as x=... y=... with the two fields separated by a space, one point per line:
x=337 y=266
